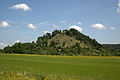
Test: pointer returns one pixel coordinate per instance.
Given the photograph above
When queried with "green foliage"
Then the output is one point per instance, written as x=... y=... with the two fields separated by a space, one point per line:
x=2 y=51
x=66 y=42
x=18 y=48
x=9 y=49
x=56 y=32
x=113 y=46
x=53 y=44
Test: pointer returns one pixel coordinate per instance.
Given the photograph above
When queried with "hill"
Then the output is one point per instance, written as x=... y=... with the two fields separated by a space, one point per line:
x=66 y=42
x=113 y=46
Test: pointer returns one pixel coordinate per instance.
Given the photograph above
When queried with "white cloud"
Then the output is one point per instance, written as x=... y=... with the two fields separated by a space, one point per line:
x=17 y=41
x=22 y=6
x=4 y=24
x=63 y=21
x=32 y=26
x=98 y=26
x=79 y=23
x=76 y=27
x=2 y=44
x=118 y=9
x=112 y=28
x=46 y=32
x=54 y=26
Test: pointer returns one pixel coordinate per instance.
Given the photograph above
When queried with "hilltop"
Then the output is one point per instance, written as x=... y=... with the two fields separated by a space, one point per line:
x=66 y=42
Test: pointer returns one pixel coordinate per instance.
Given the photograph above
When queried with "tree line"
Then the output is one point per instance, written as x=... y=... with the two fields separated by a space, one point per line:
x=44 y=46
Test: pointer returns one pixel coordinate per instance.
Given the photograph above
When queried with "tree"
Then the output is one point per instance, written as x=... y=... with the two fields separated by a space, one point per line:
x=9 y=49
x=56 y=32
x=63 y=44
x=50 y=45
x=53 y=44
x=18 y=48
x=48 y=35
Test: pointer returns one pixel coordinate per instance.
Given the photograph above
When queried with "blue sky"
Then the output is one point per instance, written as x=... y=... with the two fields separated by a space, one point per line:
x=25 y=20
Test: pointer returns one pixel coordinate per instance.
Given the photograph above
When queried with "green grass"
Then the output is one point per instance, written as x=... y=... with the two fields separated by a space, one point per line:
x=39 y=67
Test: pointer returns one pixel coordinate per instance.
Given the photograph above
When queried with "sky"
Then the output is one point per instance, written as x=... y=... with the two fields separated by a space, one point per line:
x=26 y=20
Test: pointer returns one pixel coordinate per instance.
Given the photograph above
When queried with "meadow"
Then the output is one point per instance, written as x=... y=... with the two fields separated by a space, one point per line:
x=48 y=67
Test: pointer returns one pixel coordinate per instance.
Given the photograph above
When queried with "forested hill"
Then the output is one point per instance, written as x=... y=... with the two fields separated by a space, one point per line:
x=66 y=42
x=113 y=46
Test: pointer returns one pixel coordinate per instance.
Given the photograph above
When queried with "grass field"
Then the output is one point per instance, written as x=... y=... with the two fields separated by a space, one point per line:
x=45 y=67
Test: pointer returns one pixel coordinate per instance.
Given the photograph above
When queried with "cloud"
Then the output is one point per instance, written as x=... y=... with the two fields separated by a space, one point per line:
x=22 y=6
x=32 y=26
x=17 y=41
x=54 y=26
x=98 y=26
x=79 y=23
x=112 y=28
x=2 y=44
x=63 y=21
x=118 y=9
x=46 y=32
x=4 y=24
x=76 y=27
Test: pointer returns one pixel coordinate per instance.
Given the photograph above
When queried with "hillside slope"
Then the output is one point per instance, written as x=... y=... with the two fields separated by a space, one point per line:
x=66 y=42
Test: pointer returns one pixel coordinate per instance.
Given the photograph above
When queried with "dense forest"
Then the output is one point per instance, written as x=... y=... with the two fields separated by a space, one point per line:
x=66 y=42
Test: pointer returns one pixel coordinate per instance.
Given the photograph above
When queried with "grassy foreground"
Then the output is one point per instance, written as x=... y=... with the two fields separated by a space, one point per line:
x=46 y=67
